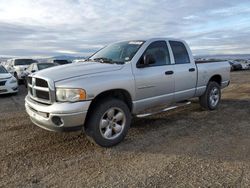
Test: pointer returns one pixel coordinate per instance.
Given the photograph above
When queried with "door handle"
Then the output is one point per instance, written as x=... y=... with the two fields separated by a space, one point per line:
x=169 y=72
x=191 y=70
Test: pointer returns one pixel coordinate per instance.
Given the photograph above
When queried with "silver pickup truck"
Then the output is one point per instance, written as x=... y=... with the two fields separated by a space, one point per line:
x=122 y=80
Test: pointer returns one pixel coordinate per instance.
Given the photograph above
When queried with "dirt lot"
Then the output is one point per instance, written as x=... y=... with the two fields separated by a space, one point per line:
x=187 y=147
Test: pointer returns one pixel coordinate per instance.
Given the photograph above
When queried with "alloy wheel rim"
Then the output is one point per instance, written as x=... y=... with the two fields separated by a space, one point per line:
x=112 y=123
x=214 y=96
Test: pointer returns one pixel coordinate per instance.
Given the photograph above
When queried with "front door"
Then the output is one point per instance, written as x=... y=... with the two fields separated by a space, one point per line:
x=154 y=82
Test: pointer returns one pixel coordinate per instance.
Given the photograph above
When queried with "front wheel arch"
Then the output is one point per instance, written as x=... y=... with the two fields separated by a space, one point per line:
x=120 y=94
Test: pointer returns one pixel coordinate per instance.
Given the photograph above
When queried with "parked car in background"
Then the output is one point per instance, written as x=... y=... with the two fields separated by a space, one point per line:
x=34 y=67
x=2 y=63
x=245 y=66
x=61 y=61
x=235 y=65
x=17 y=67
x=122 y=80
x=8 y=83
x=78 y=61
x=5 y=64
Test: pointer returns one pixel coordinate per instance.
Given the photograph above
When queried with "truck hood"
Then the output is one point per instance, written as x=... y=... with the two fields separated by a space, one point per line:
x=73 y=70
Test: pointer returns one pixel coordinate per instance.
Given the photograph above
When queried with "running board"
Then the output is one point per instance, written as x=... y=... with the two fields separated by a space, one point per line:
x=164 y=110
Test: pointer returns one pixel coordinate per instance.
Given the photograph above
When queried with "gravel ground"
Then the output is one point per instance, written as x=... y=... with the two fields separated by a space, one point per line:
x=186 y=147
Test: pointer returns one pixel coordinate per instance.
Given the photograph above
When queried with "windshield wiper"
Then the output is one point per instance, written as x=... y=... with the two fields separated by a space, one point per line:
x=103 y=60
x=107 y=60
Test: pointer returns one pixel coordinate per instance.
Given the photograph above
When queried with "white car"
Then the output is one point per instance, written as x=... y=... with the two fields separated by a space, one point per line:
x=8 y=83
x=4 y=64
x=17 y=67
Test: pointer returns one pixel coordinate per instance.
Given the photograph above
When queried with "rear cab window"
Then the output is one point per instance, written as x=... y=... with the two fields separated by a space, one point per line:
x=180 y=52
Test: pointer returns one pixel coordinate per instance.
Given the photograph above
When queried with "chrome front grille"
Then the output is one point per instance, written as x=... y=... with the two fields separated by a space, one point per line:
x=38 y=90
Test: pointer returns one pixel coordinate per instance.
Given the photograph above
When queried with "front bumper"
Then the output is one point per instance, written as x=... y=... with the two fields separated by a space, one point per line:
x=71 y=115
x=9 y=88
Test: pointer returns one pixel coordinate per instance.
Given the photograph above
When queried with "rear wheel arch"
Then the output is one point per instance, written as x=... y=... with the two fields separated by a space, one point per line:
x=216 y=78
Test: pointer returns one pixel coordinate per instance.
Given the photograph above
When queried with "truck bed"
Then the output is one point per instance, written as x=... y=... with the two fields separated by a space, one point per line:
x=207 y=69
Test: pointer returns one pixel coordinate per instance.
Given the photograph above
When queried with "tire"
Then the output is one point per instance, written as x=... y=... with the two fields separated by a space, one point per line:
x=108 y=123
x=25 y=82
x=18 y=81
x=15 y=75
x=210 y=100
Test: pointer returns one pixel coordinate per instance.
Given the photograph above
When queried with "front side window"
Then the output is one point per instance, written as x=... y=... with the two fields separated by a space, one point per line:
x=180 y=52
x=120 y=52
x=42 y=66
x=158 y=51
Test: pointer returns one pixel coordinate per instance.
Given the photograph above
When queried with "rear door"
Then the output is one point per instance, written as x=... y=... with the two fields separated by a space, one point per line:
x=155 y=83
x=184 y=70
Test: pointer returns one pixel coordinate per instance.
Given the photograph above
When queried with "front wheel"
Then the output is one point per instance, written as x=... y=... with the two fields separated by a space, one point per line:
x=109 y=123
x=210 y=100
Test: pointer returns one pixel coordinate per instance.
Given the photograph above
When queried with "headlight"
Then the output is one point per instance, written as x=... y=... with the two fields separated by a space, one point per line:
x=70 y=95
x=13 y=80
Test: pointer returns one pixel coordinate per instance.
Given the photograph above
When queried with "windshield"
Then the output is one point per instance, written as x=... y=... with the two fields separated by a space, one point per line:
x=3 y=70
x=61 y=62
x=117 y=53
x=45 y=65
x=24 y=61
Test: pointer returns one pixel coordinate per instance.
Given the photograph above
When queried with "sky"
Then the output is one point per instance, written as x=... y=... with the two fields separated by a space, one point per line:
x=44 y=28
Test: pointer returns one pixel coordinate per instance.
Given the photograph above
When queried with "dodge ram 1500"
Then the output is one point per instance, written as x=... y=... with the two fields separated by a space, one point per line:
x=122 y=80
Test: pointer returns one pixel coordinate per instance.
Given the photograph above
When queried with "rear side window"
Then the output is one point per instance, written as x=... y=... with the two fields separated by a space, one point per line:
x=159 y=51
x=180 y=52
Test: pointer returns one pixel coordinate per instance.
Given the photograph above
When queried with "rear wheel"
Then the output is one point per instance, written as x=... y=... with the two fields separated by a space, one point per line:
x=109 y=123
x=210 y=100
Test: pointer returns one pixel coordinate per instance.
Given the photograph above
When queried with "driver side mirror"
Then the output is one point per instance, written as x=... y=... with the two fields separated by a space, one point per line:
x=146 y=61
x=33 y=71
